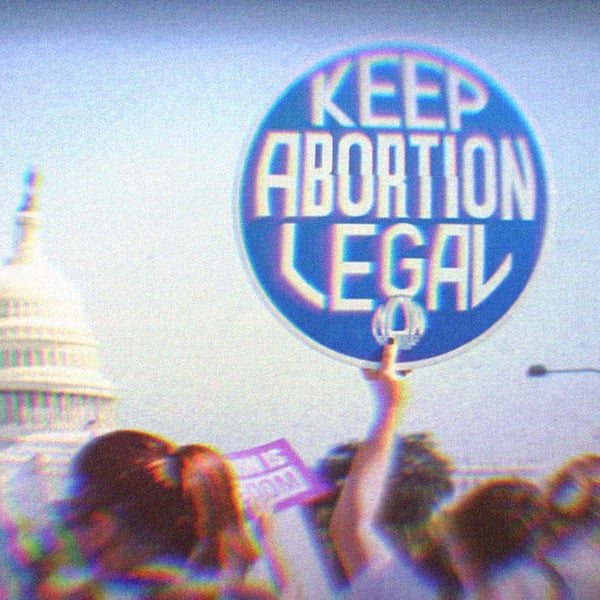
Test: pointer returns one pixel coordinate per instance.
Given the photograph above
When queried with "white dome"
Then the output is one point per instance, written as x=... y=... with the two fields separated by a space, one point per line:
x=49 y=368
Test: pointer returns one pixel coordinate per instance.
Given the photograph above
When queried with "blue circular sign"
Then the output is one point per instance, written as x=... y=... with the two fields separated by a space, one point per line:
x=394 y=189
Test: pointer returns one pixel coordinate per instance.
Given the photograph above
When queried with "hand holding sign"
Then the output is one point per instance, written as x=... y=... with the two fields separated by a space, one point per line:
x=387 y=386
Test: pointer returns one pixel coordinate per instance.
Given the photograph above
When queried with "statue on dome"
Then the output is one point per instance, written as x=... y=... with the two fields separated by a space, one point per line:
x=32 y=181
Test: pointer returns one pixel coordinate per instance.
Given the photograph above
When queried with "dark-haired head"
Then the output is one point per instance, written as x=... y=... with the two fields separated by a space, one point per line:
x=498 y=522
x=176 y=502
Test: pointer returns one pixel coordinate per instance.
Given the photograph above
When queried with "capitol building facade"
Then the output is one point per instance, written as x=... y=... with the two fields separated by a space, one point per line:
x=53 y=396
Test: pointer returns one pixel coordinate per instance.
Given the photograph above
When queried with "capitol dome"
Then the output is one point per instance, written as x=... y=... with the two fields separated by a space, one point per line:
x=49 y=366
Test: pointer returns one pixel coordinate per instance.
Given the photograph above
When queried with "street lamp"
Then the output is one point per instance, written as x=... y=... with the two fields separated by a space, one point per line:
x=541 y=370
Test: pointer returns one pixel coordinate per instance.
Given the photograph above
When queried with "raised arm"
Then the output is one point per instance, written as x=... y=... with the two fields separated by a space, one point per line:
x=354 y=522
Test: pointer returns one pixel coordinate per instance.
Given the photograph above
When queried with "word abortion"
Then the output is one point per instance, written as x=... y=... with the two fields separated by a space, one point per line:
x=309 y=188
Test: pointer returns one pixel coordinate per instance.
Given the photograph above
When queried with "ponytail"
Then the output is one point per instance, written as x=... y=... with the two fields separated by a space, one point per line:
x=209 y=485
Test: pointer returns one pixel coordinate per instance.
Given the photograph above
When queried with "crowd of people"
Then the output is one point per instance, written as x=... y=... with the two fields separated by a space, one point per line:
x=144 y=518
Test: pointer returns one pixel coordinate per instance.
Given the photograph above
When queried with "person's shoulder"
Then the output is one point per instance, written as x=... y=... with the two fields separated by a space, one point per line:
x=577 y=562
x=390 y=579
x=523 y=579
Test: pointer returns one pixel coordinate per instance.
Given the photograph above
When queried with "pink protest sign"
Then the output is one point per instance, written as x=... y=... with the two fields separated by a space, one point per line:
x=274 y=473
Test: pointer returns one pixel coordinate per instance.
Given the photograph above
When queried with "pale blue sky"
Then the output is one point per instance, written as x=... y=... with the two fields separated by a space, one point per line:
x=139 y=115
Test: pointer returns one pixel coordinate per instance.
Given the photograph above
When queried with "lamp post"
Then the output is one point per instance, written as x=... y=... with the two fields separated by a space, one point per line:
x=541 y=370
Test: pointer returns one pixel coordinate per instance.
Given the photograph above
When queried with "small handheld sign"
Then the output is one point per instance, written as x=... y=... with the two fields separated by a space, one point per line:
x=393 y=191
x=273 y=474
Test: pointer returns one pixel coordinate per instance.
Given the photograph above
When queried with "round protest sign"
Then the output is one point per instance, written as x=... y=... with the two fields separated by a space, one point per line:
x=393 y=191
